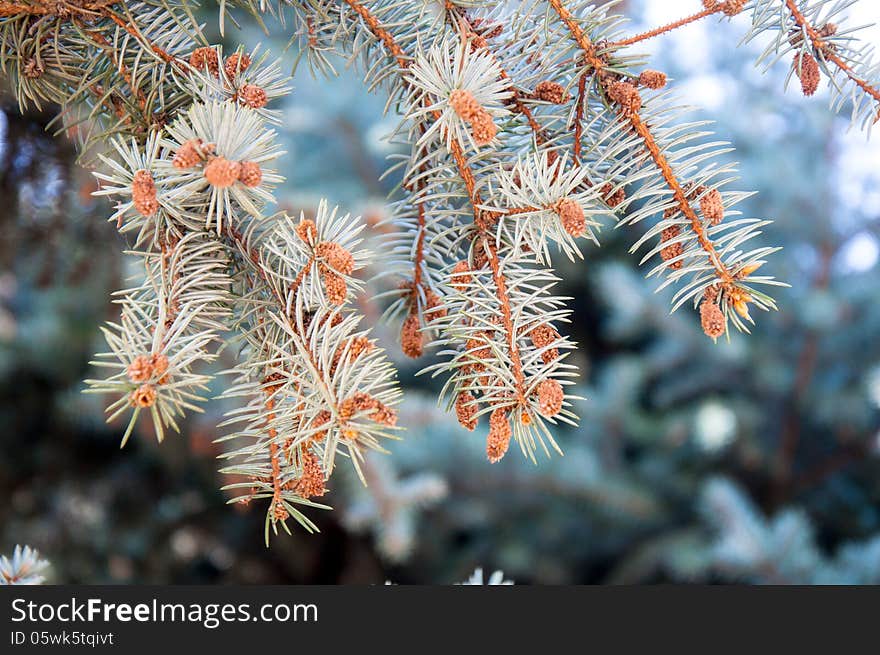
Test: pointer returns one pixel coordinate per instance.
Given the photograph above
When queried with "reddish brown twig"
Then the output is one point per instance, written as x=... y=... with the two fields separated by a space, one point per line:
x=663 y=29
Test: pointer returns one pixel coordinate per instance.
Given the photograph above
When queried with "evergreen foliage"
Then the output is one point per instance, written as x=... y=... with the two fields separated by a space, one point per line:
x=512 y=163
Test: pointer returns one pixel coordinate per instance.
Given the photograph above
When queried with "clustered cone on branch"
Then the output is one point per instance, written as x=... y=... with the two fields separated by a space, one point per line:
x=483 y=128
x=311 y=483
x=500 y=432
x=147 y=371
x=466 y=410
x=543 y=336
x=613 y=197
x=191 y=153
x=461 y=276
x=253 y=96
x=712 y=318
x=143 y=193
x=550 y=397
x=221 y=172
x=144 y=396
x=807 y=69
x=205 y=57
x=307 y=231
x=412 y=341
x=236 y=63
x=334 y=262
x=552 y=92
x=712 y=207
x=250 y=174
x=572 y=216
x=218 y=171
x=652 y=79
x=672 y=248
x=626 y=95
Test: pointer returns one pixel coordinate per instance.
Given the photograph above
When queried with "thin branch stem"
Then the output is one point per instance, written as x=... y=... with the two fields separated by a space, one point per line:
x=663 y=29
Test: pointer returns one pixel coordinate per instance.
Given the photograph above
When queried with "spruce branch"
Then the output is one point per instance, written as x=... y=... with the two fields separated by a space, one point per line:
x=526 y=124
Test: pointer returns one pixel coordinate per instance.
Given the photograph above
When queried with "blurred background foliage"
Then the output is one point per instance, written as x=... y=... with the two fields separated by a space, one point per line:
x=756 y=460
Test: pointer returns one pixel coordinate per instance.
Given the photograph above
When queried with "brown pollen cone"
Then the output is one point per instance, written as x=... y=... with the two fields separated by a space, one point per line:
x=552 y=92
x=550 y=397
x=250 y=174
x=236 y=63
x=712 y=319
x=500 y=432
x=572 y=216
x=411 y=337
x=201 y=58
x=466 y=410
x=222 y=173
x=143 y=193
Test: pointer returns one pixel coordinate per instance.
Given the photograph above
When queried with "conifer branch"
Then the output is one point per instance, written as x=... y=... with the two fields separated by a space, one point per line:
x=512 y=159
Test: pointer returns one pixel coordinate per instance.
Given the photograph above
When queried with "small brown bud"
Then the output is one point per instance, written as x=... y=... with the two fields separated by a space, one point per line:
x=828 y=29
x=712 y=207
x=615 y=198
x=478 y=351
x=307 y=230
x=572 y=216
x=335 y=287
x=280 y=513
x=712 y=319
x=311 y=483
x=550 y=397
x=733 y=7
x=498 y=440
x=337 y=257
x=321 y=419
x=411 y=337
x=190 y=153
x=542 y=336
x=807 y=69
x=671 y=250
x=253 y=96
x=160 y=365
x=141 y=369
x=236 y=63
x=32 y=69
x=384 y=415
x=144 y=396
x=273 y=382
x=222 y=173
x=652 y=79
x=464 y=104
x=466 y=410
x=143 y=193
x=250 y=174
x=711 y=293
x=205 y=57
x=480 y=256
x=626 y=95
x=434 y=305
x=552 y=92
x=483 y=129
